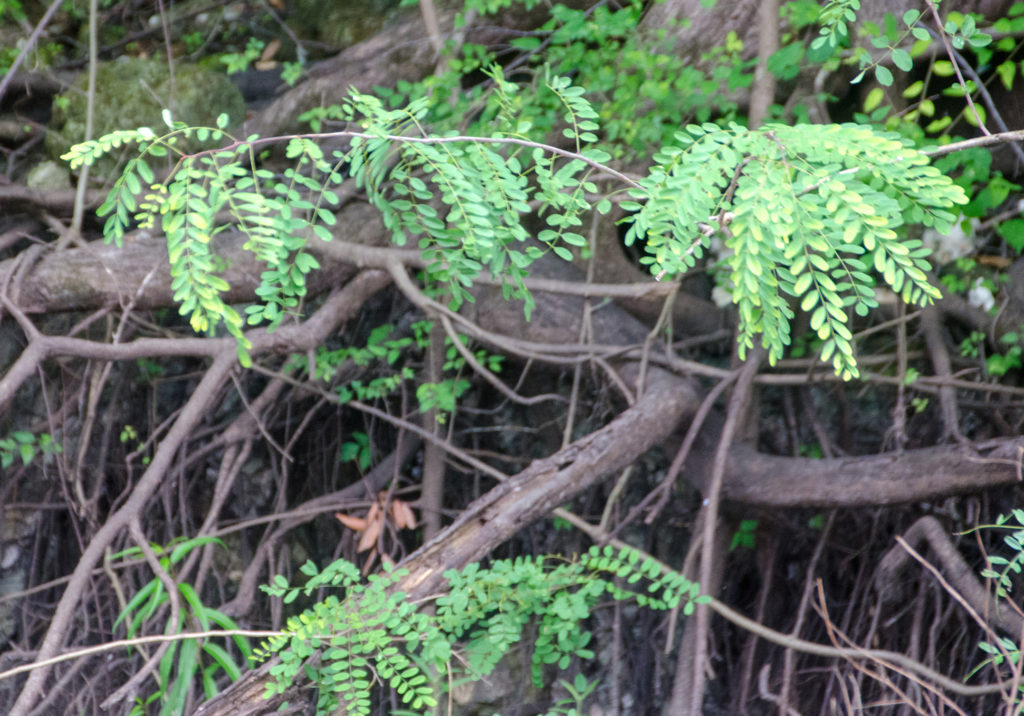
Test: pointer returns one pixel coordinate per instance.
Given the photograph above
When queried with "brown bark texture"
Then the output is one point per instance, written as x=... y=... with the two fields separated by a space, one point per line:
x=79 y=340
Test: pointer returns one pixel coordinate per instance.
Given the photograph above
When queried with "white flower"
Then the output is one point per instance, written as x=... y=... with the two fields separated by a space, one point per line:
x=980 y=296
x=949 y=247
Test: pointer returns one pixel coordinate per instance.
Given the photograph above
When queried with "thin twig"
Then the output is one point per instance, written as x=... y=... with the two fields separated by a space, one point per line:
x=136 y=641
x=28 y=46
x=712 y=497
x=834 y=634
x=127 y=691
x=956 y=68
x=487 y=375
x=787 y=640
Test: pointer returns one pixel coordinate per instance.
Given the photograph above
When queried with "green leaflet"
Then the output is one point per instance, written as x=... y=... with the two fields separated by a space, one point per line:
x=804 y=212
x=371 y=628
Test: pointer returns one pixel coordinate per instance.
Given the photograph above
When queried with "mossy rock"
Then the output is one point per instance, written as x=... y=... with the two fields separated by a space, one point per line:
x=49 y=175
x=341 y=24
x=133 y=93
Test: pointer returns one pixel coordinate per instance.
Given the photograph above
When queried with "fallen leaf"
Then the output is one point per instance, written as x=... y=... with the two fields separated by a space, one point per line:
x=369 y=538
x=353 y=523
x=403 y=515
x=270 y=50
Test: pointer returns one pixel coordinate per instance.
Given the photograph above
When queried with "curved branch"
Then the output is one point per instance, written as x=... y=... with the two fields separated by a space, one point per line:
x=955 y=568
x=15 y=197
x=885 y=479
x=106 y=275
x=191 y=415
x=788 y=640
x=513 y=504
x=198 y=406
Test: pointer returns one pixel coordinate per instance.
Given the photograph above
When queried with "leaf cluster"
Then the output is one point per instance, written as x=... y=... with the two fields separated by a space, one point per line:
x=27 y=446
x=464 y=199
x=389 y=356
x=835 y=19
x=344 y=643
x=1014 y=565
x=639 y=86
x=805 y=213
x=208 y=193
x=187 y=658
x=1001 y=572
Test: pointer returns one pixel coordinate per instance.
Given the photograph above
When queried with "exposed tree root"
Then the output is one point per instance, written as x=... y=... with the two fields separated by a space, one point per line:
x=345 y=303
x=890 y=581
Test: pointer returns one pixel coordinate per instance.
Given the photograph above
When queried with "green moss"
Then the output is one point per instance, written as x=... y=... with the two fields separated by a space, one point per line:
x=132 y=93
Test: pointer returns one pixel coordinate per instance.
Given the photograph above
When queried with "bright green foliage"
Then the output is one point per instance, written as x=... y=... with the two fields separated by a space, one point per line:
x=890 y=39
x=374 y=629
x=263 y=208
x=185 y=659
x=963 y=31
x=1006 y=654
x=385 y=354
x=893 y=37
x=908 y=39
x=240 y=61
x=350 y=635
x=999 y=364
x=1012 y=231
x=23 y=444
x=578 y=692
x=805 y=212
x=484 y=184
x=187 y=205
x=1015 y=564
x=835 y=19
x=442 y=396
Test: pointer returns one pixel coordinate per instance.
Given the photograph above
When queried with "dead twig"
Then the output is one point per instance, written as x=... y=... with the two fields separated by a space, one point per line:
x=712 y=497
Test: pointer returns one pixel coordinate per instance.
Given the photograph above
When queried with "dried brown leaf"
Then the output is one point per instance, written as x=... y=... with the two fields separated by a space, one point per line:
x=369 y=538
x=270 y=50
x=403 y=515
x=351 y=521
